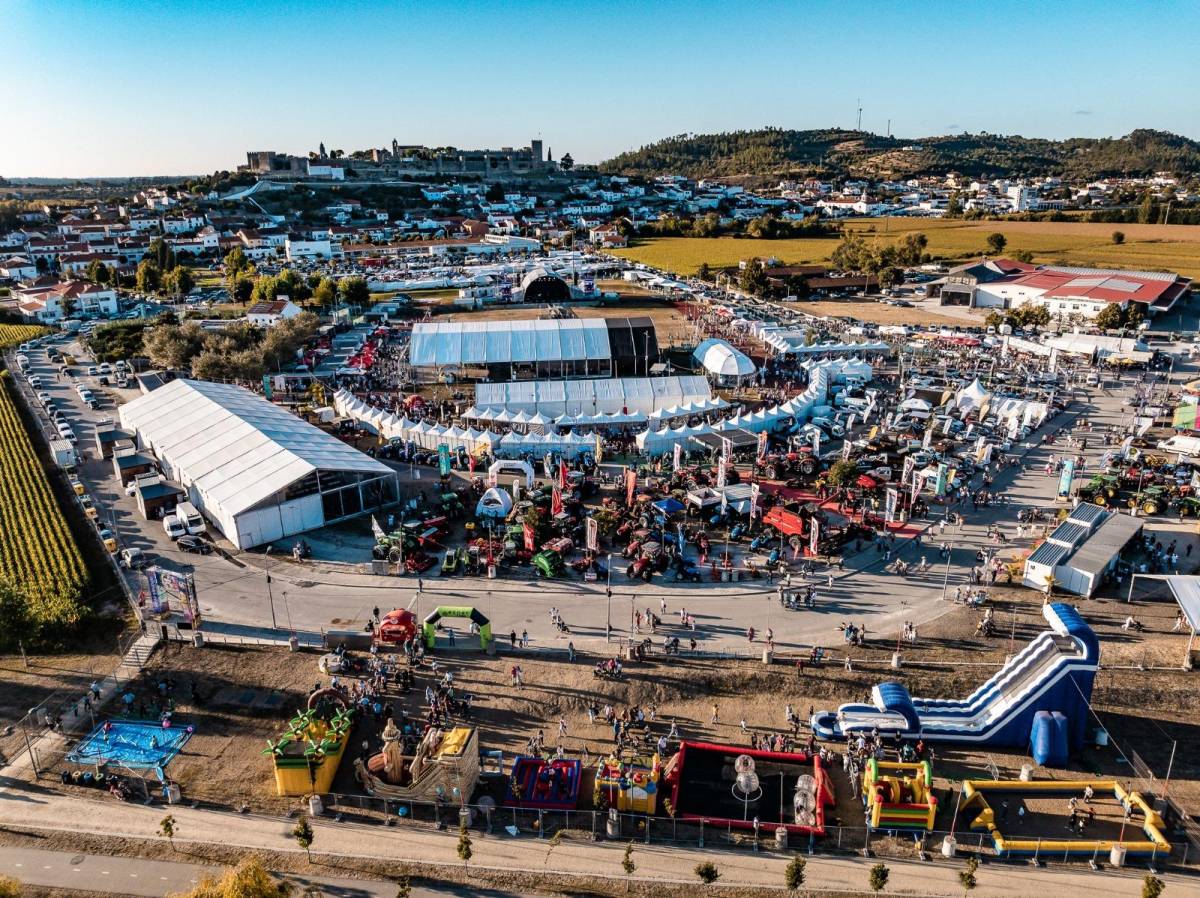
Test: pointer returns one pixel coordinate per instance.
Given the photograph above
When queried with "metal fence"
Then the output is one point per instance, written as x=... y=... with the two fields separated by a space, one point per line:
x=601 y=825
x=44 y=734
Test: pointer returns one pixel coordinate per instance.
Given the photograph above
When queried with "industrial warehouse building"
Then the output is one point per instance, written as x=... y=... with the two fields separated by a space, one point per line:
x=528 y=349
x=256 y=471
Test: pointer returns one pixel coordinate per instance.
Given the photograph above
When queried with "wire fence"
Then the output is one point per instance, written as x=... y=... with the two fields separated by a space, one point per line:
x=489 y=818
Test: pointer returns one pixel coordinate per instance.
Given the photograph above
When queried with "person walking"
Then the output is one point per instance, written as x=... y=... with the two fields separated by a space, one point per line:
x=716 y=714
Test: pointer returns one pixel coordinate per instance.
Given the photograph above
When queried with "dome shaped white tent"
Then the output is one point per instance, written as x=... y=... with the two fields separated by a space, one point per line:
x=722 y=360
x=494 y=503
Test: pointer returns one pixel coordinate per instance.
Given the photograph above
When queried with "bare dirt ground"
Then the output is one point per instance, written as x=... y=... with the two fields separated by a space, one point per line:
x=876 y=313
x=1143 y=710
x=52 y=681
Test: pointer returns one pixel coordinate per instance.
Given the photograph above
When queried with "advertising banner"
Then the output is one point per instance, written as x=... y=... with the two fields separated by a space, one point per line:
x=592 y=529
x=893 y=499
x=677 y=457
x=630 y=486
x=754 y=493
x=814 y=536
x=530 y=537
x=444 y=460
x=943 y=470
x=556 y=505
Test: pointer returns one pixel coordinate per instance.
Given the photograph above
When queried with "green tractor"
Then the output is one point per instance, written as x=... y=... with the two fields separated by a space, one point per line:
x=1187 y=506
x=1152 y=500
x=452 y=505
x=549 y=564
x=1102 y=489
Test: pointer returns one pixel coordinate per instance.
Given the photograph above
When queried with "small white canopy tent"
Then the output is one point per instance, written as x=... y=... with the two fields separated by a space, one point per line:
x=972 y=397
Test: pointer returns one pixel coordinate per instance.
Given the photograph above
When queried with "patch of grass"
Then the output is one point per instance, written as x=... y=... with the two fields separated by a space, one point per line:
x=207 y=279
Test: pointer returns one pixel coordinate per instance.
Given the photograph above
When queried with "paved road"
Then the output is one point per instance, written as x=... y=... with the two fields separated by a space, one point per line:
x=436 y=850
x=136 y=876
x=235 y=598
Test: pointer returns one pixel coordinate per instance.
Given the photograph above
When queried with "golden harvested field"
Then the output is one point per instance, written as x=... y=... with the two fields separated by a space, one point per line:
x=1154 y=247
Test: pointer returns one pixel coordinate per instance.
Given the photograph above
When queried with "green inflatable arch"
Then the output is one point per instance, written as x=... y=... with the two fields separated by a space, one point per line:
x=429 y=626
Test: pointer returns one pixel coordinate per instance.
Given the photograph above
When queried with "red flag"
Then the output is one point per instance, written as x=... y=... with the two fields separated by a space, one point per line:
x=556 y=501
x=630 y=486
x=562 y=473
x=530 y=540
x=471 y=463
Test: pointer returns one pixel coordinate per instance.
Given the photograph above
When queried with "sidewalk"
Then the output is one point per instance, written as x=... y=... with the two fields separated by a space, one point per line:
x=152 y=879
x=574 y=857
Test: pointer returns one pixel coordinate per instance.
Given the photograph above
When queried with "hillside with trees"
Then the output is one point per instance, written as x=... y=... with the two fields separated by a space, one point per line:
x=837 y=153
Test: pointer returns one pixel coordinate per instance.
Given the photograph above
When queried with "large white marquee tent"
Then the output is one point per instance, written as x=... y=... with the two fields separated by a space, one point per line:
x=256 y=470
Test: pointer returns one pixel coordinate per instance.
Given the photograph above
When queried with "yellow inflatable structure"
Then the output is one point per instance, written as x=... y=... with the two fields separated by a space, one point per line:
x=306 y=757
x=975 y=798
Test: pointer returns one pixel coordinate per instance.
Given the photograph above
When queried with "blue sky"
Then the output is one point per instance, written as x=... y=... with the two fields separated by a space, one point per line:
x=124 y=87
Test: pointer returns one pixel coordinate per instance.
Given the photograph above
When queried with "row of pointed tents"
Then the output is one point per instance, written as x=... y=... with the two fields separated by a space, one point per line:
x=429 y=435
x=539 y=420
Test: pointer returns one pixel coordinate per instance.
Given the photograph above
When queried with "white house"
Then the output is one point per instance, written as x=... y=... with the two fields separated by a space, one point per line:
x=268 y=314
x=324 y=169
x=18 y=268
x=57 y=301
x=299 y=248
x=182 y=224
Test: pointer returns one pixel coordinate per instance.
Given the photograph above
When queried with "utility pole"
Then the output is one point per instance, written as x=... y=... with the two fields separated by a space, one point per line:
x=859 y=126
x=946 y=576
x=271 y=599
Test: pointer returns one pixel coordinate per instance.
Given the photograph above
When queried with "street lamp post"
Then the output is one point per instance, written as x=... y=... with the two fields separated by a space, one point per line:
x=946 y=576
x=271 y=600
x=608 y=603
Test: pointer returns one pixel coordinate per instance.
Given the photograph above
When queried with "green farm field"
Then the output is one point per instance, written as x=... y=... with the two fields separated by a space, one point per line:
x=1149 y=247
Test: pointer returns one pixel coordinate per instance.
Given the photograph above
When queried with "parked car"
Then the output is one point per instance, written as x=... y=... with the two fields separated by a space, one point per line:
x=110 y=541
x=133 y=559
x=193 y=544
x=173 y=527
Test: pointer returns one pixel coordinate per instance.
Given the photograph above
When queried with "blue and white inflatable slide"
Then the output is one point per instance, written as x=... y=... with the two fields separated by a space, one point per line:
x=1039 y=697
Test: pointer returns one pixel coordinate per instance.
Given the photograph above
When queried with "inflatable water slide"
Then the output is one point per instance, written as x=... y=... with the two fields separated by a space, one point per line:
x=1039 y=697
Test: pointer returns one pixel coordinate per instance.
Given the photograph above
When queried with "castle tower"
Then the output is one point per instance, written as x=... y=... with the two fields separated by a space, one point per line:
x=535 y=150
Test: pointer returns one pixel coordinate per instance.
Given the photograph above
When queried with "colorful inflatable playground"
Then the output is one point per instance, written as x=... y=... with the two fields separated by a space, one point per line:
x=1034 y=831
x=444 y=765
x=732 y=787
x=899 y=795
x=550 y=785
x=1039 y=698
x=307 y=755
x=133 y=744
x=628 y=783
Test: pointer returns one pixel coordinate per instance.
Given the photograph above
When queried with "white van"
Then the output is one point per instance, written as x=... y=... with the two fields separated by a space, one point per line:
x=173 y=527
x=190 y=518
x=1183 y=445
